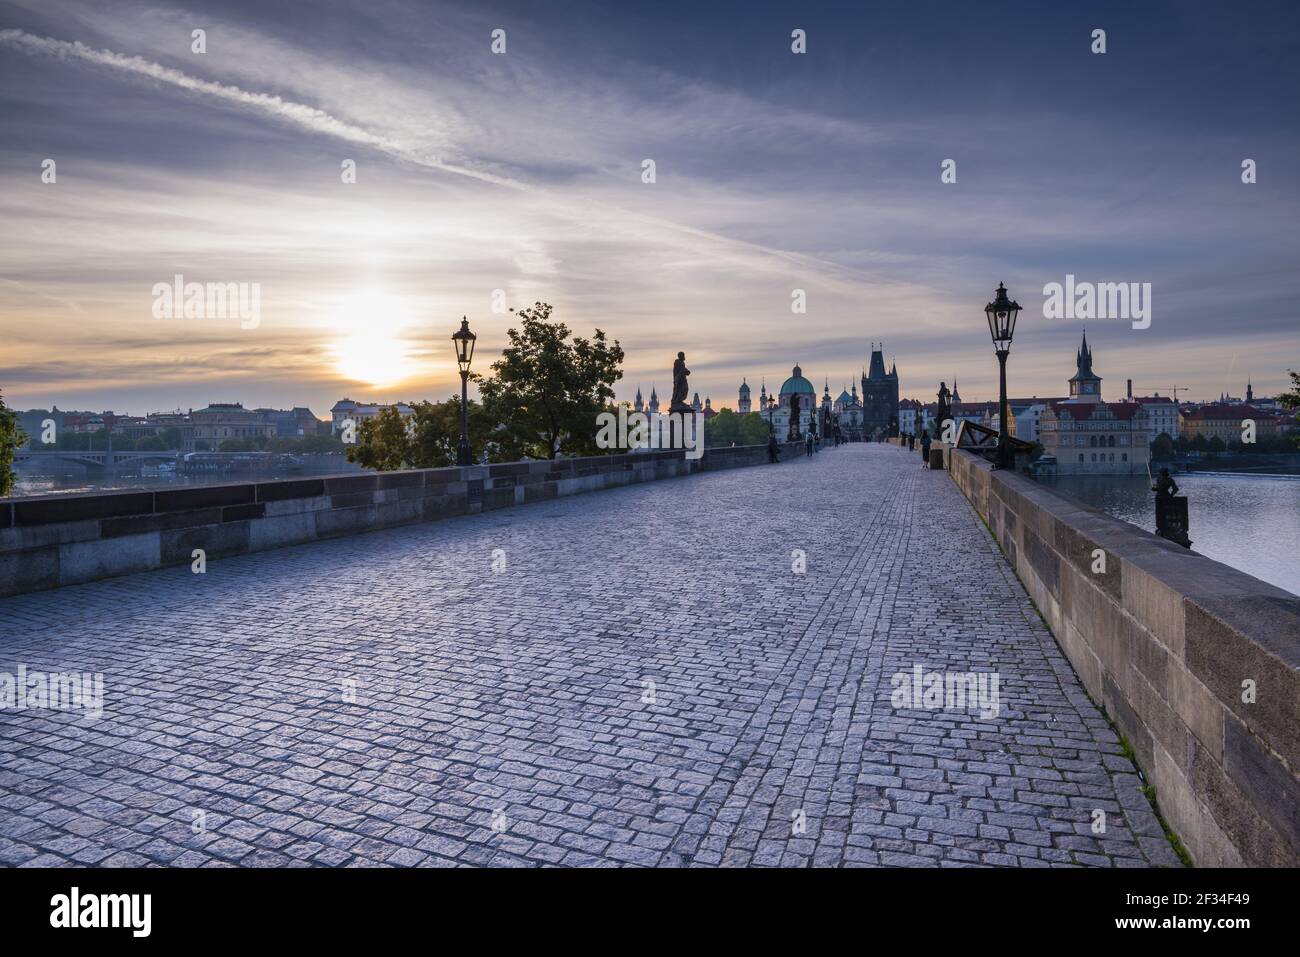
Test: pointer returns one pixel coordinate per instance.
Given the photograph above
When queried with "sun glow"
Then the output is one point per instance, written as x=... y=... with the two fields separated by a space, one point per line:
x=370 y=348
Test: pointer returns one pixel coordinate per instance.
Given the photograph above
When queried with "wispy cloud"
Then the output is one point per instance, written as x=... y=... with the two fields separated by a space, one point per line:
x=299 y=114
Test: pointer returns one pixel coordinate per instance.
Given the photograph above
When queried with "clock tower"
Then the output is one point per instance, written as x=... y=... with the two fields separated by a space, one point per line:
x=1085 y=385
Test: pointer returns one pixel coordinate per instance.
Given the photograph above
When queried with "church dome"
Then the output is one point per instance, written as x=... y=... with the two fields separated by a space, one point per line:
x=797 y=384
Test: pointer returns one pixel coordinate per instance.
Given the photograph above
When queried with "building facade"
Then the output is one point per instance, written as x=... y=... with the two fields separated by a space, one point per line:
x=1226 y=421
x=847 y=412
x=879 y=398
x=226 y=420
x=1089 y=436
x=346 y=409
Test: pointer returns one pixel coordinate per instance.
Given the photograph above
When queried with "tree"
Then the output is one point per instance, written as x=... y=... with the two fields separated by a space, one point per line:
x=172 y=438
x=1291 y=400
x=435 y=431
x=727 y=427
x=12 y=439
x=100 y=440
x=546 y=391
x=383 y=442
x=320 y=444
x=1162 y=447
x=428 y=439
x=150 y=443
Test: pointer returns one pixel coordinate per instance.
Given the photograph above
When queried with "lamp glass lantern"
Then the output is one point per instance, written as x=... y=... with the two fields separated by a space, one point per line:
x=464 y=341
x=1001 y=314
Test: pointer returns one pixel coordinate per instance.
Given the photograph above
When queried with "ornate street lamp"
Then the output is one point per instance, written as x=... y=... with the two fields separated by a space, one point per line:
x=1001 y=314
x=464 y=340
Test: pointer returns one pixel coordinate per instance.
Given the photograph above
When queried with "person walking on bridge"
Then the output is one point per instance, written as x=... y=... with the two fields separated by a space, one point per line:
x=925 y=450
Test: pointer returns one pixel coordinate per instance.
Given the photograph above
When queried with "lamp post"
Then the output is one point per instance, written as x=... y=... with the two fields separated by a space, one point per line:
x=464 y=341
x=1001 y=314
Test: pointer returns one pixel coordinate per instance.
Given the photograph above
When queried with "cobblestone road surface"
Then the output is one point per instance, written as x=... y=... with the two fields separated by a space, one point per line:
x=642 y=680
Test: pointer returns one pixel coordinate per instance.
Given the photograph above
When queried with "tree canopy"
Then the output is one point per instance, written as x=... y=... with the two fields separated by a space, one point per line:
x=729 y=427
x=12 y=438
x=547 y=389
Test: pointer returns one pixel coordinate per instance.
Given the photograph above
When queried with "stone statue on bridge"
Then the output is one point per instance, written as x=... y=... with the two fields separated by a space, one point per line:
x=944 y=412
x=680 y=389
x=1171 y=510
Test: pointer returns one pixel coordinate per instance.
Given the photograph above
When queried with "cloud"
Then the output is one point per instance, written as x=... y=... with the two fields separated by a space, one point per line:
x=299 y=114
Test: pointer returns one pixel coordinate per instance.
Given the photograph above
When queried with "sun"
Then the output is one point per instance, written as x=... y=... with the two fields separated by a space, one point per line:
x=370 y=348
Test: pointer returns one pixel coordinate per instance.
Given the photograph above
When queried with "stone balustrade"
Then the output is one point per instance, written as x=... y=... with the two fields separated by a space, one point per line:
x=52 y=540
x=1197 y=664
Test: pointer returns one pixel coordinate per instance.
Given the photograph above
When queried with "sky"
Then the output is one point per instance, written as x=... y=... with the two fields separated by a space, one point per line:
x=490 y=180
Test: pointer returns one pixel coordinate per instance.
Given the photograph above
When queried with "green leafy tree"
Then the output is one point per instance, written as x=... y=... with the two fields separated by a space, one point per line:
x=383 y=442
x=1291 y=400
x=101 y=438
x=12 y=439
x=320 y=444
x=172 y=438
x=150 y=443
x=435 y=432
x=1162 y=447
x=428 y=439
x=547 y=389
x=729 y=427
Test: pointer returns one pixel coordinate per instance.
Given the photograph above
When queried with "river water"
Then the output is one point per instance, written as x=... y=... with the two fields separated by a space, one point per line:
x=1251 y=522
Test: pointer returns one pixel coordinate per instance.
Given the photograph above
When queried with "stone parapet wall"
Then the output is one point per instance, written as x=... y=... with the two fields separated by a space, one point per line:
x=1170 y=643
x=52 y=540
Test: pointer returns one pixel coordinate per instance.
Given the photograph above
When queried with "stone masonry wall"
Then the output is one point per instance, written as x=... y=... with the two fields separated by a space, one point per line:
x=1168 y=642
x=52 y=540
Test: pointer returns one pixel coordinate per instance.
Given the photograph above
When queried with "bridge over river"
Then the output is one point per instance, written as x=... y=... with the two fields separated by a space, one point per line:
x=632 y=676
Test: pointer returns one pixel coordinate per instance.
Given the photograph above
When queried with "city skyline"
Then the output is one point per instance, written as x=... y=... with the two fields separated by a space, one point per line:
x=522 y=172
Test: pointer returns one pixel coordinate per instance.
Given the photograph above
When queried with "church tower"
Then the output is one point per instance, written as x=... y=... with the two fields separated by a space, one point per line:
x=743 y=404
x=879 y=396
x=638 y=405
x=654 y=402
x=1085 y=385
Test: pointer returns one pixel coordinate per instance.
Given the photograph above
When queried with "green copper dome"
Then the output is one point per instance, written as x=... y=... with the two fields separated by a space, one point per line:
x=797 y=383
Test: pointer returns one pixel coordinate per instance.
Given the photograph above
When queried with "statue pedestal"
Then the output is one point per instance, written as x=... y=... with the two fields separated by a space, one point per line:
x=1171 y=519
x=677 y=426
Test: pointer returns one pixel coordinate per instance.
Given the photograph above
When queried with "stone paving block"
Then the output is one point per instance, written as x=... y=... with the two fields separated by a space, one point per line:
x=392 y=700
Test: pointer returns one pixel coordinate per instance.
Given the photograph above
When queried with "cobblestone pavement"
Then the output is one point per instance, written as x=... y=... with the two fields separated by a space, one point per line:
x=643 y=680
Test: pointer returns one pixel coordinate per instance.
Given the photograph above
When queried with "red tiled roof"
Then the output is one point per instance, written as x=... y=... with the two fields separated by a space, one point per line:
x=1078 y=411
x=1231 y=412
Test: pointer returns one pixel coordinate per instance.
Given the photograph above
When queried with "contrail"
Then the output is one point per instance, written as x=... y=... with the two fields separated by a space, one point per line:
x=318 y=121
x=299 y=114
